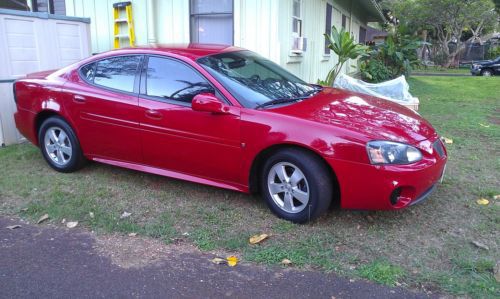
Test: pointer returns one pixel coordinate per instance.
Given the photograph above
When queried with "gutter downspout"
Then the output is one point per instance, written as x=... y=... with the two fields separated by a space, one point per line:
x=151 y=21
x=348 y=68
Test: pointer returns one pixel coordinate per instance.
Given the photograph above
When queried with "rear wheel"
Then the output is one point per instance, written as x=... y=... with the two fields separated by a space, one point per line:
x=59 y=145
x=296 y=185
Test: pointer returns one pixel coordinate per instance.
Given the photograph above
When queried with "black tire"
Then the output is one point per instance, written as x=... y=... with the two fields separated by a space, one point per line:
x=74 y=162
x=487 y=73
x=317 y=180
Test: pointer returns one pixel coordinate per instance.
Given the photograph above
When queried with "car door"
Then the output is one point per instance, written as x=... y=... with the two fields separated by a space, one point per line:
x=496 y=66
x=176 y=138
x=104 y=108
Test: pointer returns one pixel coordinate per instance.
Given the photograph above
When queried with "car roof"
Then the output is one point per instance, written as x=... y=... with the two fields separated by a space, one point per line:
x=191 y=51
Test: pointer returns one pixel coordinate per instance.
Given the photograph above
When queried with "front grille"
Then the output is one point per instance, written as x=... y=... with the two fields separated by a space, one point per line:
x=438 y=147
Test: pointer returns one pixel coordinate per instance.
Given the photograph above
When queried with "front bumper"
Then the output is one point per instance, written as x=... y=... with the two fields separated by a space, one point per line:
x=389 y=187
x=475 y=72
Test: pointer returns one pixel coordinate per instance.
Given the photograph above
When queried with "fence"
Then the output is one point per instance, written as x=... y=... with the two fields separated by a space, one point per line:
x=474 y=52
x=31 y=42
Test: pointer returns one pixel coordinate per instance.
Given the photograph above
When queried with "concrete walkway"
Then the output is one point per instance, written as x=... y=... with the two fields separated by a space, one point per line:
x=41 y=261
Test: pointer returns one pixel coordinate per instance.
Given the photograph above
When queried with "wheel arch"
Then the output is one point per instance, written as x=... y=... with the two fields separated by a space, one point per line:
x=44 y=115
x=260 y=158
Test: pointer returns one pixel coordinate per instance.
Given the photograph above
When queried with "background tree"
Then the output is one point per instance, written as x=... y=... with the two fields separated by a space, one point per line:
x=446 y=20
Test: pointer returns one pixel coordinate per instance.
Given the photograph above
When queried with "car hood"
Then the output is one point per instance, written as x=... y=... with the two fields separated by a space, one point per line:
x=373 y=118
x=482 y=62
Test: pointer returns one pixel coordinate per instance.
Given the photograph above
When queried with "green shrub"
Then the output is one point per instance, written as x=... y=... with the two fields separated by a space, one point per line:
x=374 y=70
x=395 y=57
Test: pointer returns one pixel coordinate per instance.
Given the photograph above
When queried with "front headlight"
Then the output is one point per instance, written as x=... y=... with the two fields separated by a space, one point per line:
x=388 y=152
x=476 y=66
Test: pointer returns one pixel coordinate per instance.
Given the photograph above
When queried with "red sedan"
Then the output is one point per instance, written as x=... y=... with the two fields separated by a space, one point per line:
x=227 y=117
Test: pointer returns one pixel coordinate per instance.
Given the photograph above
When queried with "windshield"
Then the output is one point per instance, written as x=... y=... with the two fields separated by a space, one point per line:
x=254 y=80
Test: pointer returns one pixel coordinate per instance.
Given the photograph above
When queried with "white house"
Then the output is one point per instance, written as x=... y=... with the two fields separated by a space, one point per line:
x=289 y=32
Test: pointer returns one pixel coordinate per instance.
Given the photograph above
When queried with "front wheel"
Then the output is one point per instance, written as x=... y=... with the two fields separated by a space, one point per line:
x=59 y=145
x=296 y=185
x=486 y=73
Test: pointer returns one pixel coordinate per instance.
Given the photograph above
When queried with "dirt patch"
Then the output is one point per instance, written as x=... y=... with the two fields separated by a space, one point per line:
x=10 y=204
x=494 y=120
x=138 y=252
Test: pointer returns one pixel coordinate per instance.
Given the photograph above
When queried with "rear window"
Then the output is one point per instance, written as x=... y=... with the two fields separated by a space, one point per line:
x=88 y=72
x=116 y=73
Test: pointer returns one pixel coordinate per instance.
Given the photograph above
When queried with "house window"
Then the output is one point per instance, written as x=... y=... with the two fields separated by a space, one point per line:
x=57 y=7
x=15 y=4
x=344 y=22
x=328 y=26
x=297 y=18
x=362 y=35
x=212 y=21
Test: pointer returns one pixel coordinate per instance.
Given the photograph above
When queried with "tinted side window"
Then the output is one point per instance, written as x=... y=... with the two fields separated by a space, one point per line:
x=117 y=72
x=169 y=79
x=88 y=71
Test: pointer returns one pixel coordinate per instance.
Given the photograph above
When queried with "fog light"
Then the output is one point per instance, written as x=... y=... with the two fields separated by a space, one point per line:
x=395 y=196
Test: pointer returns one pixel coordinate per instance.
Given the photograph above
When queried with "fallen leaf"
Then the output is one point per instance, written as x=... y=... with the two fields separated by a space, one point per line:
x=496 y=197
x=485 y=126
x=125 y=215
x=480 y=245
x=370 y=219
x=43 y=218
x=132 y=234
x=286 y=262
x=232 y=261
x=63 y=221
x=482 y=201
x=447 y=140
x=13 y=226
x=496 y=271
x=218 y=261
x=71 y=224
x=91 y=214
x=258 y=238
x=185 y=234
x=24 y=209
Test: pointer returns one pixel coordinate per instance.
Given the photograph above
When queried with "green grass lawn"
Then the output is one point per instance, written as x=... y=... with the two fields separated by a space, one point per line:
x=426 y=247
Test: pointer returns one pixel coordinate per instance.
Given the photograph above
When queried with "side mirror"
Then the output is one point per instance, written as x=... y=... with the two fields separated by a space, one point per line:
x=208 y=102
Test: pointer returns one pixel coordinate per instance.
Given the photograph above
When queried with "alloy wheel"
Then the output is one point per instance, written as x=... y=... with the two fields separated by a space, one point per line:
x=58 y=146
x=288 y=187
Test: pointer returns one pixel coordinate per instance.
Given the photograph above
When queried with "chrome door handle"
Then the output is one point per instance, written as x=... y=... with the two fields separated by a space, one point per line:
x=79 y=99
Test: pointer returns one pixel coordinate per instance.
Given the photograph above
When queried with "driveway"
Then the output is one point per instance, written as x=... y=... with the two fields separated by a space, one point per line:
x=46 y=261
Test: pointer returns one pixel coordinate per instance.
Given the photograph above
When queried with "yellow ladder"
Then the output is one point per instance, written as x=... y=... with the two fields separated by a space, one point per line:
x=122 y=14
